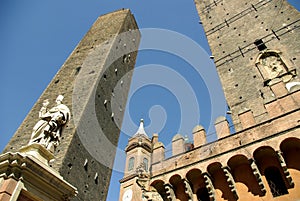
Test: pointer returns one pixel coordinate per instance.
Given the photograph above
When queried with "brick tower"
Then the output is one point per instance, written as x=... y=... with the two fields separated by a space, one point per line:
x=255 y=48
x=94 y=81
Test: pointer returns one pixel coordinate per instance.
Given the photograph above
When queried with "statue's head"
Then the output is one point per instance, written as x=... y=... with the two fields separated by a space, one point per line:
x=59 y=98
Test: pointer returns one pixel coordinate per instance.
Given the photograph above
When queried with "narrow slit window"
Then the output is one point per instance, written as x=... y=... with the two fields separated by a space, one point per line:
x=260 y=44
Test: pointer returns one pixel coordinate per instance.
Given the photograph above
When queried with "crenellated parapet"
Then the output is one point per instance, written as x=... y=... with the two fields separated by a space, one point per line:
x=158 y=150
x=219 y=168
x=258 y=63
x=199 y=136
x=178 y=145
x=222 y=127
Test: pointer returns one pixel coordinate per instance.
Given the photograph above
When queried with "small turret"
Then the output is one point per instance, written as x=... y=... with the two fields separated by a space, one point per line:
x=138 y=160
x=138 y=150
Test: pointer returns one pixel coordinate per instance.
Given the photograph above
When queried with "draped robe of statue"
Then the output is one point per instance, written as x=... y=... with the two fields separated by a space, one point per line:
x=48 y=130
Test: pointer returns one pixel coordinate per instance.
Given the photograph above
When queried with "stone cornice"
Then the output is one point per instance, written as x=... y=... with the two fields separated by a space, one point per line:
x=35 y=174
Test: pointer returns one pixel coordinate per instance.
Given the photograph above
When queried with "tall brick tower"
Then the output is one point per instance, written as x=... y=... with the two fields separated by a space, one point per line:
x=94 y=81
x=255 y=46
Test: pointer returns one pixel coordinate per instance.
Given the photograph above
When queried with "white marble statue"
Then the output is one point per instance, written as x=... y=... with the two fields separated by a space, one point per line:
x=47 y=131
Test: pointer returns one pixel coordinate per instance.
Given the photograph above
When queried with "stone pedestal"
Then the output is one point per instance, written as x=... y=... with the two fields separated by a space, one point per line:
x=38 y=151
x=26 y=176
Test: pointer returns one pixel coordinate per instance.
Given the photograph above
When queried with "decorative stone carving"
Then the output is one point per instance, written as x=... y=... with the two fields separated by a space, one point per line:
x=272 y=66
x=210 y=187
x=48 y=130
x=142 y=181
x=188 y=190
x=230 y=182
x=143 y=176
x=257 y=176
x=152 y=196
x=170 y=192
x=286 y=172
x=141 y=171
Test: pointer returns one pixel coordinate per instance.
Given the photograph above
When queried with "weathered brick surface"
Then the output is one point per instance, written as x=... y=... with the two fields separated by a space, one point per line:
x=89 y=77
x=246 y=119
x=199 y=136
x=245 y=143
x=222 y=127
x=266 y=116
x=279 y=89
x=231 y=28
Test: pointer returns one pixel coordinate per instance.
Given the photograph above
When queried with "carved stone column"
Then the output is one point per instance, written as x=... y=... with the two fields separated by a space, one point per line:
x=287 y=174
x=188 y=190
x=257 y=176
x=170 y=192
x=230 y=181
x=209 y=186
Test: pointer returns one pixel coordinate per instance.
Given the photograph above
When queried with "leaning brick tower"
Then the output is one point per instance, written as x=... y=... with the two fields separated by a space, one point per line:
x=255 y=46
x=94 y=81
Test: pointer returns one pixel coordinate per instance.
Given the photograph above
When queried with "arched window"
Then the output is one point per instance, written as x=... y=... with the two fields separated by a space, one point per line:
x=145 y=161
x=275 y=181
x=131 y=164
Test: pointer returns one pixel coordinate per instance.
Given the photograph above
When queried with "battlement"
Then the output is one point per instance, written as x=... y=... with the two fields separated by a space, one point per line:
x=252 y=149
x=283 y=110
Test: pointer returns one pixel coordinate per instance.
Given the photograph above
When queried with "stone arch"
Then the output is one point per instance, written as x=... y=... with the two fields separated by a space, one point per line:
x=290 y=148
x=179 y=173
x=269 y=165
x=198 y=184
x=159 y=186
x=243 y=174
x=178 y=186
x=264 y=157
x=195 y=177
x=220 y=181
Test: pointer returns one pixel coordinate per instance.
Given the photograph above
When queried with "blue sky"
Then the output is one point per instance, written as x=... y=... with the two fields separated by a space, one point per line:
x=37 y=36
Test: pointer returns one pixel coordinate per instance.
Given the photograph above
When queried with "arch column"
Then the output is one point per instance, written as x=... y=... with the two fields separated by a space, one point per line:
x=287 y=174
x=170 y=192
x=257 y=175
x=230 y=181
x=188 y=190
x=209 y=186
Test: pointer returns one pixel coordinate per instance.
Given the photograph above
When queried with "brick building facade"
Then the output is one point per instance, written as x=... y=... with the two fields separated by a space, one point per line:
x=255 y=47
